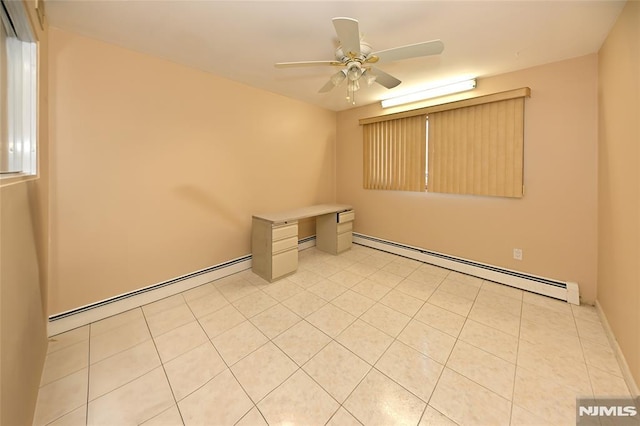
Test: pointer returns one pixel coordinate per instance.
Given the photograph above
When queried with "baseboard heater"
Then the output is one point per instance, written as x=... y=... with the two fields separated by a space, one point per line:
x=87 y=314
x=562 y=290
x=65 y=321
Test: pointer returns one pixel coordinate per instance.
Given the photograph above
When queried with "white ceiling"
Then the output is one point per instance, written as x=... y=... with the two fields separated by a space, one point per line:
x=241 y=40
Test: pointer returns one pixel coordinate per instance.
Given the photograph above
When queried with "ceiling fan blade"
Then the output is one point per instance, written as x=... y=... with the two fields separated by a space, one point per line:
x=384 y=79
x=307 y=64
x=426 y=48
x=349 y=35
x=327 y=87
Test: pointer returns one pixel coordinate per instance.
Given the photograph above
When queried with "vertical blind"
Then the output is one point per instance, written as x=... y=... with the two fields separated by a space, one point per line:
x=478 y=149
x=395 y=154
x=476 y=146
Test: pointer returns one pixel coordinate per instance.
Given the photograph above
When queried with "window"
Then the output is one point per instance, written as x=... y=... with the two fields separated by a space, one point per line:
x=18 y=72
x=478 y=150
x=475 y=147
x=394 y=154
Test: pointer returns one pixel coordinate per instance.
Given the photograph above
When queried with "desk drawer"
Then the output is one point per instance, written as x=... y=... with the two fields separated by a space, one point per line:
x=284 y=231
x=344 y=227
x=285 y=244
x=344 y=242
x=284 y=263
x=346 y=216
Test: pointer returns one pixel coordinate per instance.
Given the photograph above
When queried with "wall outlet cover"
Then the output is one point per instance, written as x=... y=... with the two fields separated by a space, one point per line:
x=517 y=254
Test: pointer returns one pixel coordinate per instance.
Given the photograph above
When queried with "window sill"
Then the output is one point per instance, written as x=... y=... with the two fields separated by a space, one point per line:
x=13 y=178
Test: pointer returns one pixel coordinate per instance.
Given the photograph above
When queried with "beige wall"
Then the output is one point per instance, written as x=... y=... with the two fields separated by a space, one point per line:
x=157 y=168
x=23 y=264
x=23 y=321
x=555 y=223
x=619 y=183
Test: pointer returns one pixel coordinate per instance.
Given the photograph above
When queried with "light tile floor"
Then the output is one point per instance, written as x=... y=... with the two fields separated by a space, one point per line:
x=365 y=337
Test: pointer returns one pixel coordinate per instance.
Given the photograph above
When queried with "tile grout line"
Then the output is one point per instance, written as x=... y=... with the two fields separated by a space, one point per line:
x=162 y=363
x=86 y=417
x=210 y=340
x=444 y=365
x=515 y=370
x=584 y=358
x=332 y=339
x=269 y=340
x=395 y=339
x=197 y=320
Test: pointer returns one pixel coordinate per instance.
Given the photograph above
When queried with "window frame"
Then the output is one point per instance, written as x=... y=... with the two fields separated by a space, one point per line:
x=19 y=110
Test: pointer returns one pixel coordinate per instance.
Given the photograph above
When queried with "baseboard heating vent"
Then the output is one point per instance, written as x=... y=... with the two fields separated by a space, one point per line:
x=562 y=290
x=307 y=242
x=83 y=315
x=65 y=321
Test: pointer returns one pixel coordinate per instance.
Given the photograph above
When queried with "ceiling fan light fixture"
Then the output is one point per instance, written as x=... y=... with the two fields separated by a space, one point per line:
x=434 y=92
x=369 y=78
x=354 y=72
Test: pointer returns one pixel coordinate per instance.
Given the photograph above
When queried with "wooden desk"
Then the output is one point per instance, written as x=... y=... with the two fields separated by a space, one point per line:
x=274 y=237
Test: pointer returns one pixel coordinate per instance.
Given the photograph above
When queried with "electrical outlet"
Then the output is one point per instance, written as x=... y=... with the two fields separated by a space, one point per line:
x=517 y=254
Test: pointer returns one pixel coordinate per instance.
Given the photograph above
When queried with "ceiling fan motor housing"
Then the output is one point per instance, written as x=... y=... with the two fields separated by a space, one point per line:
x=365 y=51
x=354 y=70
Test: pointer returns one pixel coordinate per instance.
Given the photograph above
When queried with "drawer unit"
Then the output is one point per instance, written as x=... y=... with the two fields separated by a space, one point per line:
x=345 y=217
x=284 y=263
x=334 y=231
x=286 y=244
x=345 y=240
x=279 y=232
x=274 y=249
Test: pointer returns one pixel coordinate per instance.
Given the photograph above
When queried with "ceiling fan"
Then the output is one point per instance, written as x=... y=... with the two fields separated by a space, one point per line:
x=355 y=57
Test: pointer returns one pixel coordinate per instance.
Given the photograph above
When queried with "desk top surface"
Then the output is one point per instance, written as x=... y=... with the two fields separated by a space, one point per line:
x=303 y=213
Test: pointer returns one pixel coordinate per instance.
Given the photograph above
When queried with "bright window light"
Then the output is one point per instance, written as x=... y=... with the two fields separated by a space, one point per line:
x=18 y=90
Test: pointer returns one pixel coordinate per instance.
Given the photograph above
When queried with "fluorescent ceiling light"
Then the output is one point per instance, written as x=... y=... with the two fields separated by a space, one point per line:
x=430 y=93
